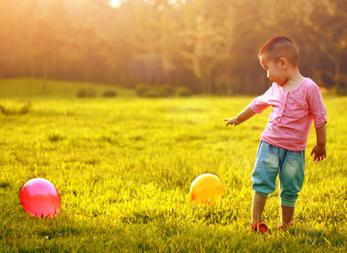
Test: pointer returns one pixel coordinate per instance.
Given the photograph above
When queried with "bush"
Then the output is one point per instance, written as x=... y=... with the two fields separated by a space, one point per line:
x=341 y=88
x=109 y=93
x=151 y=93
x=86 y=93
x=183 y=91
x=167 y=90
x=337 y=90
x=18 y=109
x=143 y=90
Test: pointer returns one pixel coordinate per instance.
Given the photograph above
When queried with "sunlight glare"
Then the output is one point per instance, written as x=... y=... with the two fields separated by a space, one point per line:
x=115 y=3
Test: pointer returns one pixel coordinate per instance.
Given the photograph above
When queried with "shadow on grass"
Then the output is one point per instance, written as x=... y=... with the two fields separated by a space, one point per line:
x=4 y=185
x=156 y=231
x=328 y=237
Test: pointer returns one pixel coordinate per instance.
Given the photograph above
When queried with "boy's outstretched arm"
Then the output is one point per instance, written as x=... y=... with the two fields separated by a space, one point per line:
x=319 y=150
x=241 y=117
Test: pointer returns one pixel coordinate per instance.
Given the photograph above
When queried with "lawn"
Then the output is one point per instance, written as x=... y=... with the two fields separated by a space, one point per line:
x=123 y=167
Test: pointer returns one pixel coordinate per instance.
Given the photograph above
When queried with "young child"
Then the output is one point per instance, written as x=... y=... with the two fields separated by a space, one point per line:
x=296 y=102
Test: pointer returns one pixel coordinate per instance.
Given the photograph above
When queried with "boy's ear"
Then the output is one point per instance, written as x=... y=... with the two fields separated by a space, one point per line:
x=284 y=63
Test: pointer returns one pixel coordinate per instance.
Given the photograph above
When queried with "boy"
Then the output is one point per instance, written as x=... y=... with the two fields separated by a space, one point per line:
x=296 y=102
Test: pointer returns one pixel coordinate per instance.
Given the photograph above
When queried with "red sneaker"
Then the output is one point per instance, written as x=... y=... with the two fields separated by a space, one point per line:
x=286 y=226
x=259 y=227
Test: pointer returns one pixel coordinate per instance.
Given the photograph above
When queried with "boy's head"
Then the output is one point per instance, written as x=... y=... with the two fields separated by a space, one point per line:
x=279 y=57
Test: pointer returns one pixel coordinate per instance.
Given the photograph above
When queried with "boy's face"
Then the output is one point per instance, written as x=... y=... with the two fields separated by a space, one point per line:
x=276 y=71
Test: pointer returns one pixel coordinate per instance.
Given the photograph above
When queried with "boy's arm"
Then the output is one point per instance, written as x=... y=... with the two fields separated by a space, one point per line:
x=257 y=105
x=241 y=117
x=319 y=150
x=318 y=111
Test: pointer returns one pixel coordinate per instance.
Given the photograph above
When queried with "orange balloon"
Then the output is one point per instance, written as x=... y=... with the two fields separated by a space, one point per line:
x=206 y=188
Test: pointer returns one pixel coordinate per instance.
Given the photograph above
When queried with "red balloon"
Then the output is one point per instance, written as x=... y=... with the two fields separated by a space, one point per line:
x=40 y=198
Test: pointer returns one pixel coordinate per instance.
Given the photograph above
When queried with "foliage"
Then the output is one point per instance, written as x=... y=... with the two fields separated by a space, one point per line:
x=208 y=45
x=109 y=93
x=86 y=93
x=144 y=90
x=183 y=91
x=22 y=88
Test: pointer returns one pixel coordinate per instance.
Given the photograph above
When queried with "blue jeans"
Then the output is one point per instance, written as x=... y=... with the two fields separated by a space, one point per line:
x=290 y=166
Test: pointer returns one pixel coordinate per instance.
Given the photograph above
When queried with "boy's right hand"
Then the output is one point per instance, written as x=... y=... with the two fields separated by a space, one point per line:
x=232 y=121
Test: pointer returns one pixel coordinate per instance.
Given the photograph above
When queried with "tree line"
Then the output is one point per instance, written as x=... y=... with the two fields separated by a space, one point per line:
x=208 y=46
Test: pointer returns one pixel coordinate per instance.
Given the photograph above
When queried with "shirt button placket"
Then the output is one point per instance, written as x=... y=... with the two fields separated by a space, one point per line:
x=283 y=106
x=285 y=102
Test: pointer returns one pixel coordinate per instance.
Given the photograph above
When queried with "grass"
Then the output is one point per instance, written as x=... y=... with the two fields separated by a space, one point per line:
x=123 y=167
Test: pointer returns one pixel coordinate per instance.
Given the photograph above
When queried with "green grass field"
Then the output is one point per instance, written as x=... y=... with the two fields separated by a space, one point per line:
x=123 y=167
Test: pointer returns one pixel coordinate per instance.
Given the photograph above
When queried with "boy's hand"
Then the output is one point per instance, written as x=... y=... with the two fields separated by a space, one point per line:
x=232 y=121
x=319 y=152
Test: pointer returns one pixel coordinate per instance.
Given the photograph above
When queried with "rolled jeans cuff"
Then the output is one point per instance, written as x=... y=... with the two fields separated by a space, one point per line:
x=262 y=194
x=287 y=202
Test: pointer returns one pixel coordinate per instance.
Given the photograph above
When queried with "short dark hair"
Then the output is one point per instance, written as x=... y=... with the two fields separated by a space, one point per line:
x=280 y=46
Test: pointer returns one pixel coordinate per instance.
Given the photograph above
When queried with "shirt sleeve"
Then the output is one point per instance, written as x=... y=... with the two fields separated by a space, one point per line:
x=260 y=103
x=317 y=108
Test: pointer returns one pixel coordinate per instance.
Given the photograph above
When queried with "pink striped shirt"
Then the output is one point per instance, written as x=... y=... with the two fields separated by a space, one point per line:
x=292 y=114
